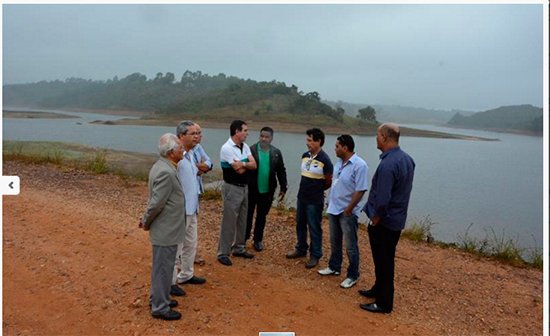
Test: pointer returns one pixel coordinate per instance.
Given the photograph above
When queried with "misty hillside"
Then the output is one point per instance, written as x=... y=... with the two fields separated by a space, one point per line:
x=401 y=114
x=217 y=97
x=518 y=117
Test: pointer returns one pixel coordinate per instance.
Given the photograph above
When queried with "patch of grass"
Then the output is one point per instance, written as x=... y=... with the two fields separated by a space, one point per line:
x=32 y=154
x=504 y=248
x=130 y=175
x=98 y=162
x=471 y=244
x=420 y=230
x=213 y=192
x=500 y=247
x=535 y=257
x=284 y=206
x=131 y=166
x=56 y=156
x=17 y=148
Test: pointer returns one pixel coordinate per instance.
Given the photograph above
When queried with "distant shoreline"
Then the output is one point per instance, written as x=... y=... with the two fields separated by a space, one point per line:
x=292 y=128
x=36 y=115
x=499 y=130
x=253 y=124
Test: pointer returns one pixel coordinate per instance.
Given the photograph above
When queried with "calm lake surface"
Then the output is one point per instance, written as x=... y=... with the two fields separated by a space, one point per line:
x=497 y=186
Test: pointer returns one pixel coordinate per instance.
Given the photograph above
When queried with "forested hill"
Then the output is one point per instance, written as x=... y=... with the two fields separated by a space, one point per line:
x=195 y=95
x=506 y=118
x=402 y=114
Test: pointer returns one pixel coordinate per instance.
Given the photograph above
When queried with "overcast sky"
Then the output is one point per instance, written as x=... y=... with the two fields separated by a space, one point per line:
x=473 y=57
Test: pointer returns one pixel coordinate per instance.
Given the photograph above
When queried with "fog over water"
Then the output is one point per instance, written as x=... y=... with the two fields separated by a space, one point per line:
x=473 y=56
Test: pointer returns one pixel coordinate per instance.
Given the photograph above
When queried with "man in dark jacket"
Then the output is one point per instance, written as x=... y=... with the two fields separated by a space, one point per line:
x=262 y=184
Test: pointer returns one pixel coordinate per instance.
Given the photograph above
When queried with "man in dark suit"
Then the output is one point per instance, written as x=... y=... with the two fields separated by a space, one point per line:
x=165 y=221
x=262 y=184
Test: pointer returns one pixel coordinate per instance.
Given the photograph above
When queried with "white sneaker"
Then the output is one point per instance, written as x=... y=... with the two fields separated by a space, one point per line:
x=328 y=271
x=348 y=283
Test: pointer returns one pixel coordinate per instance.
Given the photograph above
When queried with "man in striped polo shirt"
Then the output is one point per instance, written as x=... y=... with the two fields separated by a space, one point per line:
x=316 y=178
x=236 y=159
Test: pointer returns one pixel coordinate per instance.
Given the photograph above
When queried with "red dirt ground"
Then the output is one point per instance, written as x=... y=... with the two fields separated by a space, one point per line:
x=74 y=262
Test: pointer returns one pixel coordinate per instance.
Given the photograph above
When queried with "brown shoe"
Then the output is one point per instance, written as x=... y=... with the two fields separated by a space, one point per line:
x=295 y=254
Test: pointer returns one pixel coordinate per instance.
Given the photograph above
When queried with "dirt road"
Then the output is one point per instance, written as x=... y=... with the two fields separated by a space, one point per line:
x=74 y=262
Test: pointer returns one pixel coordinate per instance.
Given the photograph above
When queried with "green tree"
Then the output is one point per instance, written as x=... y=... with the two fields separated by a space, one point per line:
x=368 y=113
x=340 y=113
x=313 y=96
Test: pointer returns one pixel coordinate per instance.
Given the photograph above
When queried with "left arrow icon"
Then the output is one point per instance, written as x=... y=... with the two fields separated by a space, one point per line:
x=10 y=185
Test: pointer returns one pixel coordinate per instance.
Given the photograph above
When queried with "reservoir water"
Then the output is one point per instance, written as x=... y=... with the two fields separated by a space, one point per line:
x=494 y=186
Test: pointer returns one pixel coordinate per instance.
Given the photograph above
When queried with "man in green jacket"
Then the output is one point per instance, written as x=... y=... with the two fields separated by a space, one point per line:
x=262 y=184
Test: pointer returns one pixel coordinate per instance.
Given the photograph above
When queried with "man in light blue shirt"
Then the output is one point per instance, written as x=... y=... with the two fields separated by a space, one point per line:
x=202 y=160
x=349 y=183
x=204 y=165
x=187 y=173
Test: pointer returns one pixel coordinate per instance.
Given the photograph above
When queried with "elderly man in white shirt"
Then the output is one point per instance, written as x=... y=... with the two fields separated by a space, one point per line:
x=187 y=132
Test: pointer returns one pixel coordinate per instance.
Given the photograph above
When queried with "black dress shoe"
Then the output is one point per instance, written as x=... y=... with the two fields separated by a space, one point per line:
x=374 y=308
x=195 y=280
x=244 y=254
x=172 y=304
x=168 y=316
x=312 y=262
x=295 y=254
x=176 y=290
x=224 y=260
x=258 y=246
x=367 y=293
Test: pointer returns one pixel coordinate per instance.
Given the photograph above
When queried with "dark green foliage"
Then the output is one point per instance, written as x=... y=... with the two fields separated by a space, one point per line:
x=519 y=117
x=368 y=113
x=235 y=92
x=196 y=93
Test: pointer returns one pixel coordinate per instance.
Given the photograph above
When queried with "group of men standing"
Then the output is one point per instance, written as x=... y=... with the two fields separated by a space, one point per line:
x=175 y=184
x=250 y=176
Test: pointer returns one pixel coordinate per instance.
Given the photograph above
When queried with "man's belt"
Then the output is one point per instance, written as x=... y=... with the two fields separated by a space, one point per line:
x=242 y=185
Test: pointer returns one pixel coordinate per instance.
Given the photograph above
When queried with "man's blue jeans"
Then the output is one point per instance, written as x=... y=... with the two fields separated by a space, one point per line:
x=309 y=216
x=346 y=227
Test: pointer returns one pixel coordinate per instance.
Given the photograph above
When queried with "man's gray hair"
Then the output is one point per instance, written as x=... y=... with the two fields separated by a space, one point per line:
x=167 y=142
x=183 y=127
